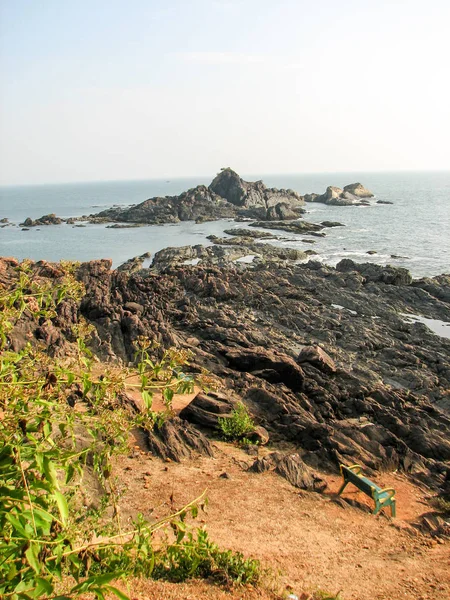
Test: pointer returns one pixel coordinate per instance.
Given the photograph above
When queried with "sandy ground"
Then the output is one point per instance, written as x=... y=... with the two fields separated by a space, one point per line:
x=309 y=541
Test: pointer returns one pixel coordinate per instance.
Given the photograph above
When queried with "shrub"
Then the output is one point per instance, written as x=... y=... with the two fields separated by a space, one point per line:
x=238 y=425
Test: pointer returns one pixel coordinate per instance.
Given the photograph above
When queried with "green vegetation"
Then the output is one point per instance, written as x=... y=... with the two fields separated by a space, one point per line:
x=236 y=427
x=52 y=545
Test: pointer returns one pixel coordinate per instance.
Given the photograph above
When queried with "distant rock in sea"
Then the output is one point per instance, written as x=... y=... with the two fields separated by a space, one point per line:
x=354 y=193
x=228 y=196
x=50 y=219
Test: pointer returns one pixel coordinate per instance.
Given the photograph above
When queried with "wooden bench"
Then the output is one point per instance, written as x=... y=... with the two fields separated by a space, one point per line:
x=382 y=497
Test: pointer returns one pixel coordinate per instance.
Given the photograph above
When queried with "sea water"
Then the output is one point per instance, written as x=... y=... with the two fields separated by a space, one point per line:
x=416 y=227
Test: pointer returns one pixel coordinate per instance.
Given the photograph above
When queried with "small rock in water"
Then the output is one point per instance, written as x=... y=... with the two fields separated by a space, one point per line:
x=371 y=252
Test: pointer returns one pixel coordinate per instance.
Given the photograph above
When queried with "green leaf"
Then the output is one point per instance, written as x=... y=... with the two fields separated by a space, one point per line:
x=50 y=472
x=117 y=592
x=147 y=397
x=62 y=506
x=18 y=525
x=32 y=557
x=94 y=581
x=43 y=586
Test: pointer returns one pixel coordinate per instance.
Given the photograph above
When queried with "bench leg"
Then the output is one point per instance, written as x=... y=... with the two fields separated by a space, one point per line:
x=342 y=488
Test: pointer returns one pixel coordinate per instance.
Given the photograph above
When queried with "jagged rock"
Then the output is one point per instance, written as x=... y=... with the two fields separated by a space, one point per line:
x=205 y=409
x=259 y=435
x=266 y=463
x=371 y=272
x=385 y=407
x=227 y=196
x=293 y=226
x=354 y=193
x=358 y=190
x=249 y=233
x=332 y=224
x=246 y=195
x=50 y=219
x=292 y=468
x=267 y=364
x=175 y=439
x=317 y=357
x=196 y=203
x=134 y=264
x=299 y=475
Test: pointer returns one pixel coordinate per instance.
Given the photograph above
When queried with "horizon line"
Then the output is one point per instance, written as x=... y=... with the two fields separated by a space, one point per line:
x=169 y=178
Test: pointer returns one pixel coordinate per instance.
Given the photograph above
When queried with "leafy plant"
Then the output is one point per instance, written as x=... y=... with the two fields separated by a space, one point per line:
x=51 y=545
x=238 y=425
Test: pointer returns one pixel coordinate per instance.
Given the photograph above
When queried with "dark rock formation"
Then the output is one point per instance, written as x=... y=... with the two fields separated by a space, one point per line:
x=50 y=219
x=227 y=196
x=302 y=227
x=177 y=439
x=372 y=272
x=240 y=232
x=293 y=469
x=377 y=397
x=277 y=204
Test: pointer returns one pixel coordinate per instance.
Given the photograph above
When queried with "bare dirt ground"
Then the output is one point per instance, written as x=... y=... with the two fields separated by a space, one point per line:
x=309 y=541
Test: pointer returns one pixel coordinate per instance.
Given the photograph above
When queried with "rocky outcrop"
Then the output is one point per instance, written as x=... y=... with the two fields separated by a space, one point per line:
x=196 y=203
x=371 y=272
x=227 y=196
x=354 y=193
x=322 y=357
x=358 y=190
x=299 y=226
x=176 y=439
x=259 y=200
x=226 y=251
x=292 y=468
x=50 y=219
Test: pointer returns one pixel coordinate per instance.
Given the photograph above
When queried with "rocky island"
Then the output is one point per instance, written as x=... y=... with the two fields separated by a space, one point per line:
x=229 y=196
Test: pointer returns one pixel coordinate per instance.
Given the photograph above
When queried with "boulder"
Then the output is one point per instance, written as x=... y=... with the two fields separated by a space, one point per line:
x=175 y=439
x=292 y=468
x=317 y=357
x=260 y=361
x=377 y=273
x=358 y=190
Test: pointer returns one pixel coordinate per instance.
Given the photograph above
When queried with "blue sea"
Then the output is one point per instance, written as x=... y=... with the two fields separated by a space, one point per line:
x=415 y=227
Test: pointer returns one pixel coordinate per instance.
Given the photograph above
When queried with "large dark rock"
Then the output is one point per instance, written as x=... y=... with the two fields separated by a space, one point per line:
x=227 y=196
x=278 y=204
x=176 y=439
x=292 y=468
x=371 y=272
x=50 y=219
x=274 y=366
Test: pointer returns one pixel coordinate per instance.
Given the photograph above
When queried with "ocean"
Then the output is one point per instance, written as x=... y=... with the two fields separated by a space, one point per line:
x=416 y=227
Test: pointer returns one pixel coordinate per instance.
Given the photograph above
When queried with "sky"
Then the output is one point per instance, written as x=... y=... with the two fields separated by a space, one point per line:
x=140 y=89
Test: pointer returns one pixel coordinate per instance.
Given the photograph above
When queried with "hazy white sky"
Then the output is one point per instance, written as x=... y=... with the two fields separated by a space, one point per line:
x=128 y=89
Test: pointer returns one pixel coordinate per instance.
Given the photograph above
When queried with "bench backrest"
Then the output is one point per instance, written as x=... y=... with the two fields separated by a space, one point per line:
x=362 y=483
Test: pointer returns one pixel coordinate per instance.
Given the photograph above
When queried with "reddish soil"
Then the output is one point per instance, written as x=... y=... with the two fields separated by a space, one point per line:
x=309 y=541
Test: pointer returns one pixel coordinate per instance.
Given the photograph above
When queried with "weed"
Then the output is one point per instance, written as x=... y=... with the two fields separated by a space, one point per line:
x=238 y=425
